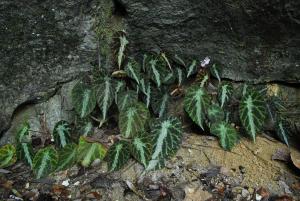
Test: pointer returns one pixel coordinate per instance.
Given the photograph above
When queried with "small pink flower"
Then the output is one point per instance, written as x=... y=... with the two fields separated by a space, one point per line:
x=205 y=62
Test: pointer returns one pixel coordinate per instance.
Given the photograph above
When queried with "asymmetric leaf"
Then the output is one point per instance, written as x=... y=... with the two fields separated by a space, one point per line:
x=215 y=113
x=7 y=155
x=83 y=98
x=226 y=133
x=160 y=102
x=23 y=134
x=252 y=112
x=282 y=132
x=118 y=155
x=61 y=133
x=132 y=119
x=67 y=157
x=89 y=151
x=126 y=98
x=195 y=102
x=133 y=70
x=224 y=93
x=192 y=69
x=141 y=147
x=121 y=54
x=25 y=152
x=44 y=162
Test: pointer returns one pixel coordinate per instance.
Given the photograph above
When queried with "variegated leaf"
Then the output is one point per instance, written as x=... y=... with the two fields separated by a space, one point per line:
x=166 y=138
x=61 y=133
x=282 y=131
x=179 y=60
x=88 y=151
x=204 y=80
x=83 y=98
x=133 y=70
x=7 y=155
x=121 y=54
x=118 y=155
x=25 y=153
x=105 y=92
x=126 y=98
x=120 y=86
x=159 y=72
x=252 y=112
x=195 y=102
x=216 y=71
x=192 y=69
x=23 y=134
x=215 y=113
x=141 y=148
x=226 y=133
x=145 y=87
x=132 y=120
x=44 y=162
x=170 y=78
x=84 y=126
x=160 y=102
x=180 y=75
x=224 y=93
x=67 y=157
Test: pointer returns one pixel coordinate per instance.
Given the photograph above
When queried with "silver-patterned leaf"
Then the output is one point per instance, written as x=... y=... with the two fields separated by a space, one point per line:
x=133 y=119
x=166 y=138
x=216 y=71
x=23 y=134
x=141 y=148
x=7 y=155
x=195 y=103
x=44 y=162
x=118 y=155
x=282 y=131
x=133 y=70
x=224 y=93
x=160 y=102
x=192 y=69
x=252 y=112
x=215 y=113
x=226 y=133
x=105 y=92
x=126 y=98
x=83 y=98
x=61 y=133
x=145 y=87
x=121 y=54
x=67 y=157
x=180 y=75
x=25 y=153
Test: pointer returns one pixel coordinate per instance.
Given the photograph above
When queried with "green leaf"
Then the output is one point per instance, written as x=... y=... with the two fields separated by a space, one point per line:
x=120 y=86
x=118 y=155
x=224 y=93
x=179 y=60
x=166 y=139
x=61 y=133
x=126 y=98
x=84 y=126
x=195 y=102
x=215 y=71
x=67 y=157
x=170 y=78
x=160 y=102
x=132 y=119
x=159 y=72
x=7 y=155
x=141 y=148
x=204 y=81
x=282 y=132
x=180 y=75
x=25 y=152
x=23 y=134
x=44 y=162
x=192 y=69
x=215 y=113
x=83 y=98
x=105 y=95
x=226 y=133
x=89 y=151
x=121 y=54
x=133 y=70
x=252 y=112
x=146 y=90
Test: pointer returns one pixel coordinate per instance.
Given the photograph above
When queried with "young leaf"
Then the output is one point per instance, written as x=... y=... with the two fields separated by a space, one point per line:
x=132 y=119
x=23 y=134
x=159 y=72
x=170 y=78
x=105 y=95
x=44 y=162
x=133 y=70
x=126 y=98
x=226 y=133
x=67 y=157
x=25 y=152
x=215 y=113
x=7 y=155
x=180 y=75
x=215 y=71
x=252 y=112
x=160 y=102
x=195 y=102
x=282 y=132
x=123 y=43
x=140 y=148
x=61 y=133
x=179 y=60
x=84 y=99
x=89 y=151
x=166 y=139
x=204 y=80
x=120 y=86
x=192 y=69
x=224 y=93
x=118 y=155
x=155 y=75
x=146 y=89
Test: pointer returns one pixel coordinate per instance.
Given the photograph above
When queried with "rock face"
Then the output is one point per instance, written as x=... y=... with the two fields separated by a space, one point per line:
x=42 y=44
x=254 y=40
